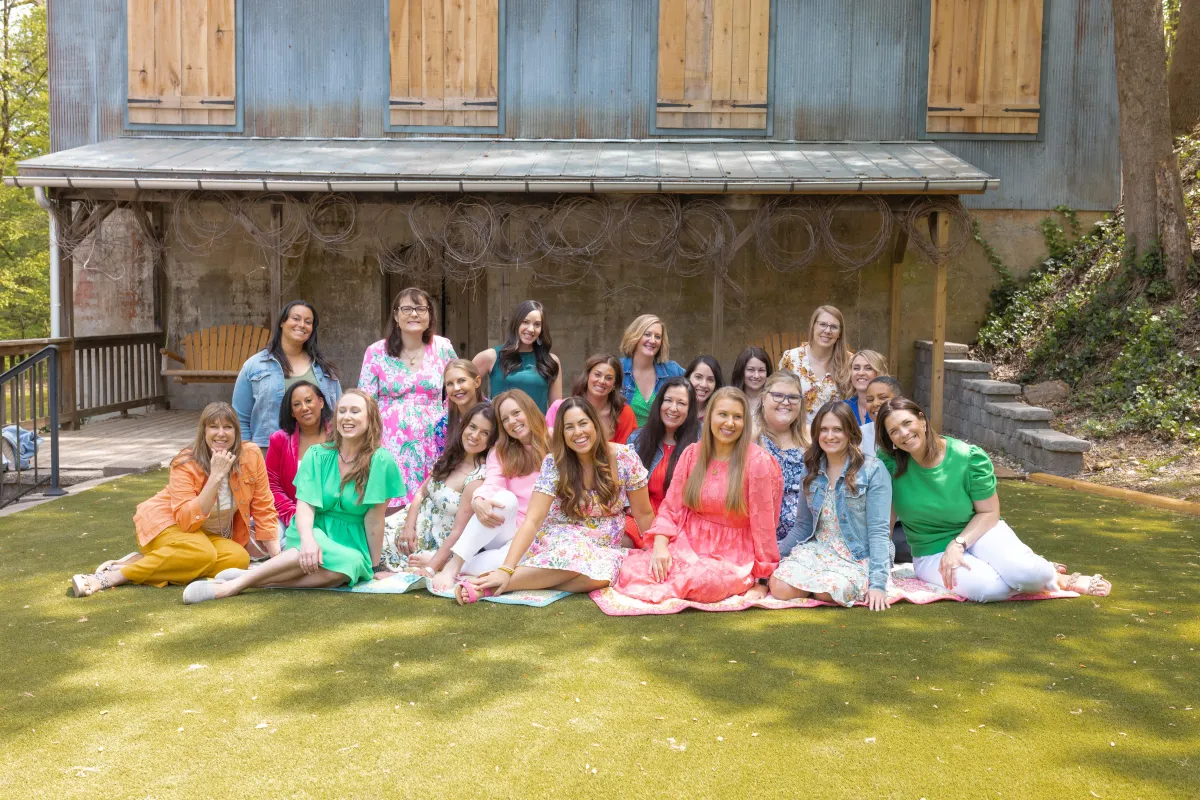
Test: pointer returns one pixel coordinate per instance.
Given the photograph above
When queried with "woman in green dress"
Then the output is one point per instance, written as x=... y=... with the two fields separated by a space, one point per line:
x=342 y=490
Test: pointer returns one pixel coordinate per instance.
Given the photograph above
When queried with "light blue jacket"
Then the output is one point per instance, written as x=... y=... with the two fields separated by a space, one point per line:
x=662 y=371
x=632 y=444
x=864 y=516
x=258 y=394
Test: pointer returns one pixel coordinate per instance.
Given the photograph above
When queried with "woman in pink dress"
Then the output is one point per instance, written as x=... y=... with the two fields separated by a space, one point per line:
x=571 y=537
x=714 y=536
x=403 y=375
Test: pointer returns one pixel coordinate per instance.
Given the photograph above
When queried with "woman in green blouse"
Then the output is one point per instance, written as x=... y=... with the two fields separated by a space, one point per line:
x=524 y=361
x=944 y=492
x=336 y=535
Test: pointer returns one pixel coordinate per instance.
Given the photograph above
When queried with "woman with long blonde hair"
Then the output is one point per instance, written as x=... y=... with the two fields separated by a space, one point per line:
x=823 y=362
x=462 y=390
x=200 y=523
x=779 y=429
x=714 y=536
x=865 y=367
x=571 y=537
x=500 y=503
x=646 y=362
x=342 y=490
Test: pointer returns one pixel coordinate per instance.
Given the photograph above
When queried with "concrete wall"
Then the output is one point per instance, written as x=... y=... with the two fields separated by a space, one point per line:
x=113 y=294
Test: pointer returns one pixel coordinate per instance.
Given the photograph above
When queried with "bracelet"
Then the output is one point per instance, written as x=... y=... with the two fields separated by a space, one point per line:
x=509 y=570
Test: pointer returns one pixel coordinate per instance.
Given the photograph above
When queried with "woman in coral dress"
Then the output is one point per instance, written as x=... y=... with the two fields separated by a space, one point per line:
x=714 y=536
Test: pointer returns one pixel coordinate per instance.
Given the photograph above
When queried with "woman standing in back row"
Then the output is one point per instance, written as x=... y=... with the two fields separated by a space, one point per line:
x=524 y=361
x=402 y=373
x=647 y=363
x=823 y=362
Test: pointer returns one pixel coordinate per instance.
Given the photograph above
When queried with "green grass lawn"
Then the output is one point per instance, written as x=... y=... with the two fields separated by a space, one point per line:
x=318 y=694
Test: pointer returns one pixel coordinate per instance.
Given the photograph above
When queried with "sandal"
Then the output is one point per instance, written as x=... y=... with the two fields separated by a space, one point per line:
x=117 y=563
x=466 y=592
x=83 y=585
x=1096 y=585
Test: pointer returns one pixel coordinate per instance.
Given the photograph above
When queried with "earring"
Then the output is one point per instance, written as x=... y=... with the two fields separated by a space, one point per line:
x=539 y=341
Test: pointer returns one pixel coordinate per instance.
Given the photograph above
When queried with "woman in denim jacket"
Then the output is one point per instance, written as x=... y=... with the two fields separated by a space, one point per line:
x=292 y=355
x=838 y=550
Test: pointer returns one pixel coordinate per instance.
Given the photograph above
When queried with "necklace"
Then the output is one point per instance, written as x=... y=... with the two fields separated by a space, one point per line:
x=343 y=459
x=412 y=360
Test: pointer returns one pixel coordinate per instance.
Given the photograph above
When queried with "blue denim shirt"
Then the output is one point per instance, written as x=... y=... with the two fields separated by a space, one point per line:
x=631 y=443
x=661 y=371
x=258 y=393
x=864 y=516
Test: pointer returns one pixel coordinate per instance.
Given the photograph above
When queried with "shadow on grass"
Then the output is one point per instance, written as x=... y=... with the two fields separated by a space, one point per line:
x=1064 y=676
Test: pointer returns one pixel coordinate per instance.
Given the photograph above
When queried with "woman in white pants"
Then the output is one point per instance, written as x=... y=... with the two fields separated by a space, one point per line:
x=944 y=492
x=501 y=500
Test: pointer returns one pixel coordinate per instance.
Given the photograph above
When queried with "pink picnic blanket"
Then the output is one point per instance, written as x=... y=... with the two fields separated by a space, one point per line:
x=904 y=585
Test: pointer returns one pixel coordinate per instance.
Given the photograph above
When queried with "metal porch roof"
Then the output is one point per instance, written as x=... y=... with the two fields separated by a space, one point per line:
x=478 y=165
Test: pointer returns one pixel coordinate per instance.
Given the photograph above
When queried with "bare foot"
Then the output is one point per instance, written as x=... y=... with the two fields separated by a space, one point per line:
x=755 y=592
x=444 y=579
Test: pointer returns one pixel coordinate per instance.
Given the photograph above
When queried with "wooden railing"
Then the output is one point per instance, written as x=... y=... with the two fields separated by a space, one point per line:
x=29 y=392
x=99 y=374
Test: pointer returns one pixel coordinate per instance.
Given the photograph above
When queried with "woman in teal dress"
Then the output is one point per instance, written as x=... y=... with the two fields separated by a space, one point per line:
x=524 y=361
x=336 y=535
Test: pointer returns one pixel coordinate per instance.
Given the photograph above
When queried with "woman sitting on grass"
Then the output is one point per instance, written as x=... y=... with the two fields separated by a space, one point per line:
x=671 y=426
x=442 y=505
x=200 y=523
x=304 y=420
x=944 y=491
x=571 y=537
x=500 y=502
x=600 y=383
x=714 y=536
x=342 y=491
x=849 y=498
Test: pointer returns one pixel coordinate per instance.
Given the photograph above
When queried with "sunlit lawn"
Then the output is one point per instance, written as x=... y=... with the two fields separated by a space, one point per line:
x=318 y=694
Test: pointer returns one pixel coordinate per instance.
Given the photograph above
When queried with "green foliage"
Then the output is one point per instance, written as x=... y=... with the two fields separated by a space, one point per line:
x=1108 y=324
x=24 y=133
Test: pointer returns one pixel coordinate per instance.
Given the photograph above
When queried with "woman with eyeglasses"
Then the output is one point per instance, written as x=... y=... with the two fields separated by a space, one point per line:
x=524 y=361
x=403 y=374
x=779 y=425
x=750 y=373
x=823 y=362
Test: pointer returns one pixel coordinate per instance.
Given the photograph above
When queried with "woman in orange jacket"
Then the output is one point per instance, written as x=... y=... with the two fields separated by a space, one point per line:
x=200 y=523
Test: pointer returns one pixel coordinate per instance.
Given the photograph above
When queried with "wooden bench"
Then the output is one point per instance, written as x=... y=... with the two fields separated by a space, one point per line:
x=215 y=355
x=776 y=344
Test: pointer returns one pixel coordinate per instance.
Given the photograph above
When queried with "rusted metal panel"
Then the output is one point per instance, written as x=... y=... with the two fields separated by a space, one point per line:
x=578 y=69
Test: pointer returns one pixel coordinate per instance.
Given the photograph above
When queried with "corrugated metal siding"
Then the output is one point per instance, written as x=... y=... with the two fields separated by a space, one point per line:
x=845 y=70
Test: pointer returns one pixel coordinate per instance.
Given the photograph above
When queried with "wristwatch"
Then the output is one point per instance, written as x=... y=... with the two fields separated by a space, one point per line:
x=961 y=540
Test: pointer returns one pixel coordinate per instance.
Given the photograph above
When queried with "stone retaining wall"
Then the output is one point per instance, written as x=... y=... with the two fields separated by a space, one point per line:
x=991 y=414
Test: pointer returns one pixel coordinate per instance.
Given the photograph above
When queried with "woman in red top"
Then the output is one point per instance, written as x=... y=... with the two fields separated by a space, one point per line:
x=600 y=383
x=304 y=419
x=672 y=424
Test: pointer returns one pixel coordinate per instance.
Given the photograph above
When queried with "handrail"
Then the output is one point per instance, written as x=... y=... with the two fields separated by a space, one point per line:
x=49 y=354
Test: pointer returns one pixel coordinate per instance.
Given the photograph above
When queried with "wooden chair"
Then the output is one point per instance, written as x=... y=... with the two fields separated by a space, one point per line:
x=215 y=355
x=776 y=344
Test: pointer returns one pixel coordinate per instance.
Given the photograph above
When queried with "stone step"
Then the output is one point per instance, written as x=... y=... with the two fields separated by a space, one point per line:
x=990 y=387
x=1054 y=441
x=1019 y=411
x=967 y=365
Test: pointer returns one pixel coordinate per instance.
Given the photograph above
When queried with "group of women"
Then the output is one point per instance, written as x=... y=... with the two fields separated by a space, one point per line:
x=661 y=481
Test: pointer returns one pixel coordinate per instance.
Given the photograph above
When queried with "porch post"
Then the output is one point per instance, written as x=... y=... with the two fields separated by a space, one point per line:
x=894 y=319
x=718 y=310
x=276 y=258
x=937 y=385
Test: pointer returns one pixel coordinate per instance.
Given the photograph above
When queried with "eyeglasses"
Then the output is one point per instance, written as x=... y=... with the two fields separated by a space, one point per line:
x=785 y=399
x=832 y=328
x=413 y=311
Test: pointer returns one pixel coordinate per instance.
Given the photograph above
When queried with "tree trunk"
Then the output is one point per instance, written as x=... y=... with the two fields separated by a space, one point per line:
x=1183 y=83
x=1152 y=191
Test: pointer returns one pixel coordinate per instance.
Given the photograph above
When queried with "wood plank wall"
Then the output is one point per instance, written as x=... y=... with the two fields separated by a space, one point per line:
x=182 y=62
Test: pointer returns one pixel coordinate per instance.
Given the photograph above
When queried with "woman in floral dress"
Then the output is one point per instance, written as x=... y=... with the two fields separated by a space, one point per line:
x=849 y=498
x=442 y=506
x=403 y=374
x=571 y=537
x=823 y=362
x=779 y=424
x=714 y=536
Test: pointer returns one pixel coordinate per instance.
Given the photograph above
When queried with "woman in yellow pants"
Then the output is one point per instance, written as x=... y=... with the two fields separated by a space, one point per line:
x=200 y=523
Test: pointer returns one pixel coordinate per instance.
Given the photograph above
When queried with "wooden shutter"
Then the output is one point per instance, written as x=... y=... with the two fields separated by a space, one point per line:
x=713 y=59
x=182 y=62
x=445 y=62
x=985 y=66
